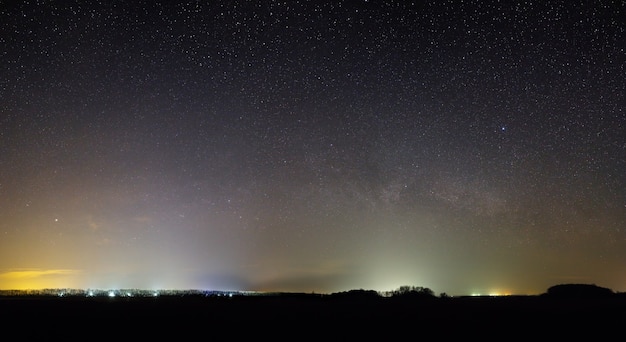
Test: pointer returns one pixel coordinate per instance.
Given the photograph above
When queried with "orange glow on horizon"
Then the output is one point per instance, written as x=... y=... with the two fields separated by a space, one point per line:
x=32 y=279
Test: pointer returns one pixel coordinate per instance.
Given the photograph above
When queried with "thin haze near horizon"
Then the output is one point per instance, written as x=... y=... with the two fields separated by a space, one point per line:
x=466 y=147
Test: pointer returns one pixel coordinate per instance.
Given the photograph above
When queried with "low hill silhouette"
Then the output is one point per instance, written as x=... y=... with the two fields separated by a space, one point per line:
x=579 y=291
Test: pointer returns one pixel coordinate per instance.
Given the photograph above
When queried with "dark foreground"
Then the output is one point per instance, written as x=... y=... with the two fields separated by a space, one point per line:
x=310 y=317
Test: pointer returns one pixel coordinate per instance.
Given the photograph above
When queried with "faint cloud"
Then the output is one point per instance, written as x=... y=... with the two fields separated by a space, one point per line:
x=391 y=193
x=93 y=225
x=142 y=219
x=314 y=277
x=36 y=273
x=104 y=242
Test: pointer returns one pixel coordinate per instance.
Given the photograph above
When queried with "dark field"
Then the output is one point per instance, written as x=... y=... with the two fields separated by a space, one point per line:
x=297 y=317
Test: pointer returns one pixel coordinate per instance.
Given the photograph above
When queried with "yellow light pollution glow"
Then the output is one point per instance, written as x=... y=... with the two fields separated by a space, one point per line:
x=30 y=279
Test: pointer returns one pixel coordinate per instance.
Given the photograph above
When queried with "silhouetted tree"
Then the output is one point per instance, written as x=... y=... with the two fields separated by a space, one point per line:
x=413 y=292
x=359 y=294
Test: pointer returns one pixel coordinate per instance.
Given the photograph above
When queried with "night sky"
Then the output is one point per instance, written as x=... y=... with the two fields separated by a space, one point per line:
x=307 y=146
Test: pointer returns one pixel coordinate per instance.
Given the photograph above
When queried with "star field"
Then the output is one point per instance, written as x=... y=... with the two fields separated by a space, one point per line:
x=463 y=146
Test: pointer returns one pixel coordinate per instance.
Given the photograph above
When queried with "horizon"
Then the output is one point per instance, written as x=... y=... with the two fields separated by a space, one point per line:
x=121 y=289
x=24 y=280
x=140 y=292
